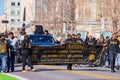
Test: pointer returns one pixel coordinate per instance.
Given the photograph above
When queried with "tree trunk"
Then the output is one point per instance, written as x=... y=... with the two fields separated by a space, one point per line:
x=114 y=24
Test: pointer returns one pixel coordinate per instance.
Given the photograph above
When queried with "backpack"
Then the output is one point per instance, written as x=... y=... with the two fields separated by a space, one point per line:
x=3 y=47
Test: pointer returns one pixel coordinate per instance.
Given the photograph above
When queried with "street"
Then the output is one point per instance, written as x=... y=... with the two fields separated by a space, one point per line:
x=59 y=72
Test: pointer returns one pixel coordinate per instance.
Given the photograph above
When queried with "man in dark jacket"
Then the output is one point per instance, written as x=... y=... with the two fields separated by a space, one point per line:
x=90 y=40
x=26 y=54
x=79 y=39
x=69 y=40
x=113 y=46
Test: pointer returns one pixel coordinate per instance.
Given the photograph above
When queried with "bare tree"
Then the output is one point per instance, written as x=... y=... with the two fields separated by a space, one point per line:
x=52 y=14
x=113 y=11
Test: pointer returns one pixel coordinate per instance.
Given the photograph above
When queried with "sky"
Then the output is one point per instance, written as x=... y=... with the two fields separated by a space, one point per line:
x=1 y=7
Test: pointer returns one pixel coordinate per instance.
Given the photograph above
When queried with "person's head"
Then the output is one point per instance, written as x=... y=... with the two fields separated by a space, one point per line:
x=101 y=39
x=73 y=36
x=101 y=36
x=114 y=36
x=25 y=37
x=69 y=36
x=46 y=32
x=78 y=35
x=107 y=38
x=90 y=37
x=11 y=35
x=2 y=37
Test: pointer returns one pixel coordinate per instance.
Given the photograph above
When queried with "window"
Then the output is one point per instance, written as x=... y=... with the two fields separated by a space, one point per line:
x=12 y=20
x=12 y=3
x=18 y=12
x=18 y=3
x=13 y=12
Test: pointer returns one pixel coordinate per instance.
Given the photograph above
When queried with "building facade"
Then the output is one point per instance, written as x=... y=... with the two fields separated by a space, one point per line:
x=12 y=12
x=60 y=16
x=2 y=26
x=94 y=16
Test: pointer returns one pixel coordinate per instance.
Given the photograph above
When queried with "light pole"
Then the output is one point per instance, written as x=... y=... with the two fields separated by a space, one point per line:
x=5 y=23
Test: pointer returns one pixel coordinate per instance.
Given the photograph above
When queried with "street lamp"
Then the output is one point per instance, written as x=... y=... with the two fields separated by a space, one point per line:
x=5 y=23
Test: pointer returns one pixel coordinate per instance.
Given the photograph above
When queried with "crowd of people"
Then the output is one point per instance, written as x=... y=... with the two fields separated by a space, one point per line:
x=10 y=45
x=112 y=46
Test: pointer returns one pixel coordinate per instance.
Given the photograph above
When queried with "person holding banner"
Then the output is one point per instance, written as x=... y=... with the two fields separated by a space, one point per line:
x=26 y=54
x=69 y=40
x=113 y=46
x=79 y=39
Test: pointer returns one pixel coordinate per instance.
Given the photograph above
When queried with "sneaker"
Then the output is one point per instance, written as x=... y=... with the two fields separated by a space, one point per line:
x=113 y=71
x=2 y=72
x=69 y=68
x=33 y=69
x=24 y=71
x=7 y=71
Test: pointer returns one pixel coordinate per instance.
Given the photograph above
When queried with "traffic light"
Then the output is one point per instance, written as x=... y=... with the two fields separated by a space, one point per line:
x=4 y=21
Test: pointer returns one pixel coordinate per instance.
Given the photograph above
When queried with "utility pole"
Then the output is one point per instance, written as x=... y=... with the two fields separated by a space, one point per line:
x=5 y=23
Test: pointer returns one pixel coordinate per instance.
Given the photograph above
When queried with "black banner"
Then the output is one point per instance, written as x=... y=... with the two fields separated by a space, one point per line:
x=67 y=53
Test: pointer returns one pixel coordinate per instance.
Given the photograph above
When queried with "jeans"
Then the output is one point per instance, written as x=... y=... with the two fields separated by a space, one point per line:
x=113 y=55
x=108 y=59
x=11 y=61
x=117 y=62
x=3 y=58
x=26 y=56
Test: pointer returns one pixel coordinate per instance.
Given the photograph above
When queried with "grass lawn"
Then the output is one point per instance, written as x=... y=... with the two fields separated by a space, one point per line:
x=5 y=77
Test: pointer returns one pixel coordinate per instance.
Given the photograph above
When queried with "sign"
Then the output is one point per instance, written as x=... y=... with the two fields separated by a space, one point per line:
x=68 y=53
x=5 y=21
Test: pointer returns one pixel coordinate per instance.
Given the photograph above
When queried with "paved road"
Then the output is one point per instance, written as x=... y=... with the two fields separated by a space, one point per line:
x=59 y=72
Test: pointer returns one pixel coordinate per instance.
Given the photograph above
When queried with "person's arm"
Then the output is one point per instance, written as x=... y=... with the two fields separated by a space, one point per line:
x=106 y=43
x=81 y=40
x=9 y=52
x=8 y=49
x=118 y=43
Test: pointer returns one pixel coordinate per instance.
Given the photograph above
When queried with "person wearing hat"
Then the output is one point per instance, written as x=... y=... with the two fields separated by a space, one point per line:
x=69 y=40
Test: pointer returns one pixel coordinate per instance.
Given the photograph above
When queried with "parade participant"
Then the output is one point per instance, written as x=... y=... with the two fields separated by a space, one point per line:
x=12 y=41
x=69 y=40
x=18 y=52
x=26 y=54
x=107 y=51
x=73 y=38
x=90 y=40
x=101 y=42
x=113 y=46
x=79 y=39
x=4 y=51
